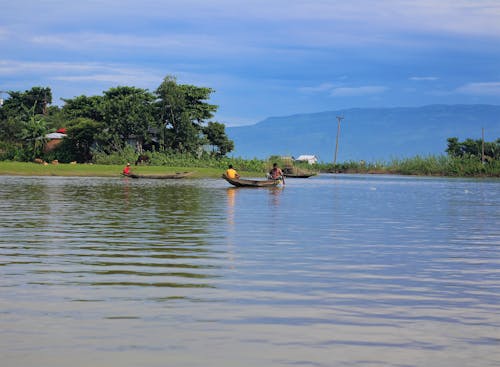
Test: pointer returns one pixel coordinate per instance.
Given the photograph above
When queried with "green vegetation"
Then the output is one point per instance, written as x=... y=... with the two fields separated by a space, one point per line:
x=464 y=159
x=170 y=130
x=174 y=119
x=110 y=166
x=100 y=170
x=423 y=166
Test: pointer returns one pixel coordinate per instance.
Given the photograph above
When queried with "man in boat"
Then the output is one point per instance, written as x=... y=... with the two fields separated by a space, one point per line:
x=275 y=173
x=231 y=172
x=126 y=169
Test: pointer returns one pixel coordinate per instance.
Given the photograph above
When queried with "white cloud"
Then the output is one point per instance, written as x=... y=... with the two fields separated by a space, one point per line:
x=485 y=89
x=122 y=41
x=344 y=91
x=218 y=23
x=83 y=72
x=358 y=91
x=456 y=16
x=24 y=67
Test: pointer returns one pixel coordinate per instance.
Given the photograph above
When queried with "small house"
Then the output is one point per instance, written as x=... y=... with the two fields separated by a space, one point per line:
x=54 y=139
x=311 y=159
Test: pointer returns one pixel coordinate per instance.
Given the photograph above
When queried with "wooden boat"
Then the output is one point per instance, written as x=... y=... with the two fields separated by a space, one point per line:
x=240 y=182
x=299 y=175
x=163 y=177
x=294 y=173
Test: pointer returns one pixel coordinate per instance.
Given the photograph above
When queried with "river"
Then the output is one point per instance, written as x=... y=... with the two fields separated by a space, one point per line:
x=334 y=270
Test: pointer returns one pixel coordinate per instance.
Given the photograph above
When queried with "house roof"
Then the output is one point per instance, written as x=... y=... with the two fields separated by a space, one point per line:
x=55 y=136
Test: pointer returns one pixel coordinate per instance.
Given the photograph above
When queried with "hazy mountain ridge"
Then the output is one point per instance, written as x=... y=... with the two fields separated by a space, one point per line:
x=367 y=133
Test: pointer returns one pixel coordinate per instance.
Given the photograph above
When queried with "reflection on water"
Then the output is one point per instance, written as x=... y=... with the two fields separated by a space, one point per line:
x=335 y=270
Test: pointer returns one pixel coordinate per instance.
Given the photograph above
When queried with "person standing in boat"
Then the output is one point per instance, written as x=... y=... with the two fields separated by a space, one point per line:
x=126 y=170
x=275 y=173
x=231 y=172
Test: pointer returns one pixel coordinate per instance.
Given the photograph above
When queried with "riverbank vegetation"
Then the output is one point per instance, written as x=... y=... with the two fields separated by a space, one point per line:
x=111 y=166
x=423 y=166
x=9 y=168
x=170 y=129
x=174 y=119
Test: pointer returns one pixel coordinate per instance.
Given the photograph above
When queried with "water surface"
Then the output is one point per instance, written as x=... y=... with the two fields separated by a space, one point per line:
x=335 y=270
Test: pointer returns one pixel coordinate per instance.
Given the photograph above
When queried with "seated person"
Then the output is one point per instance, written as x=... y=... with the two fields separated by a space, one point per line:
x=126 y=170
x=231 y=172
x=275 y=172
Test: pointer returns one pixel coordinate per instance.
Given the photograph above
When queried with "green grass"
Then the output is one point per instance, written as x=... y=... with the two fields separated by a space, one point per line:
x=100 y=170
x=422 y=166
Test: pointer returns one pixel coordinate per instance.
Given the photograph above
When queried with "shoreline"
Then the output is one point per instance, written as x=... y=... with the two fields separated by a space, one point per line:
x=30 y=169
x=9 y=168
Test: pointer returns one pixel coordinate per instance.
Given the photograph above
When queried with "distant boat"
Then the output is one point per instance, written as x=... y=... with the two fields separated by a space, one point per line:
x=299 y=175
x=240 y=182
x=164 y=177
x=296 y=173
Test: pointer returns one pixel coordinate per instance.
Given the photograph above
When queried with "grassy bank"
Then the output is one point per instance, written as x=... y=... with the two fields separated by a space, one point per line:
x=421 y=166
x=100 y=170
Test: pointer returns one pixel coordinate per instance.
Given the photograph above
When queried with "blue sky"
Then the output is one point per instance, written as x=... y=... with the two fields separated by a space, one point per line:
x=263 y=57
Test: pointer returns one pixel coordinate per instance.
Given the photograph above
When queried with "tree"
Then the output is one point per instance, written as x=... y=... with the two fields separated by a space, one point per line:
x=10 y=130
x=33 y=133
x=83 y=106
x=216 y=135
x=27 y=103
x=127 y=113
x=77 y=145
x=453 y=147
x=181 y=112
x=174 y=117
x=54 y=118
x=473 y=148
x=492 y=149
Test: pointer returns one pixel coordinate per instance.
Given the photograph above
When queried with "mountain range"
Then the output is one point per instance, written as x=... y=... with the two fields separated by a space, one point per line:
x=370 y=134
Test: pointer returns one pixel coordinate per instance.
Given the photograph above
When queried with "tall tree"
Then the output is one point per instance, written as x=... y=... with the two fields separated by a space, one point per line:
x=127 y=113
x=30 y=102
x=33 y=133
x=83 y=107
x=182 y=111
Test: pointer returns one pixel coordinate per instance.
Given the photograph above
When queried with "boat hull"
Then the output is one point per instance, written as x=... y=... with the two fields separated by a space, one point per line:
x=161 y=177
x=240 y=182
x=291 y=175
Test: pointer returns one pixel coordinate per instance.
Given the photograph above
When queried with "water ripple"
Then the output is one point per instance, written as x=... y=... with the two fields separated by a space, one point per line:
x=333 y=270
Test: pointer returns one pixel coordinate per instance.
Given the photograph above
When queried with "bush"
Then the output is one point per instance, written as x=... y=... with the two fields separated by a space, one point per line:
x=126 y=155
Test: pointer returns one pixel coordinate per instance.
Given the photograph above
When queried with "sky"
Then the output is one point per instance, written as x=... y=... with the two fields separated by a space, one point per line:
x=263 y=58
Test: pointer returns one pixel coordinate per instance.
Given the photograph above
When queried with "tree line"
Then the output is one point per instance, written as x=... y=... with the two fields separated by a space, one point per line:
x=175 y=118
x=474 y=148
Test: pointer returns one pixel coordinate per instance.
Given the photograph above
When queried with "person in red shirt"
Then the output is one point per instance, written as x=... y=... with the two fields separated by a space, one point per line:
x=126 y=170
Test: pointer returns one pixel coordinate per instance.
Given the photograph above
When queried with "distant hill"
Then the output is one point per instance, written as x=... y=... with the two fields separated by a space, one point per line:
x=369 y=134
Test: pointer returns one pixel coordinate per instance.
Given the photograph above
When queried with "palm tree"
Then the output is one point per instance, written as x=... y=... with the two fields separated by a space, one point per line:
x=33 y=133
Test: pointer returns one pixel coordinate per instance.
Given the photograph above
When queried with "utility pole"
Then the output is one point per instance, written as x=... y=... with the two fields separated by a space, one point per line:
x=482 y=146
x=339 y=118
